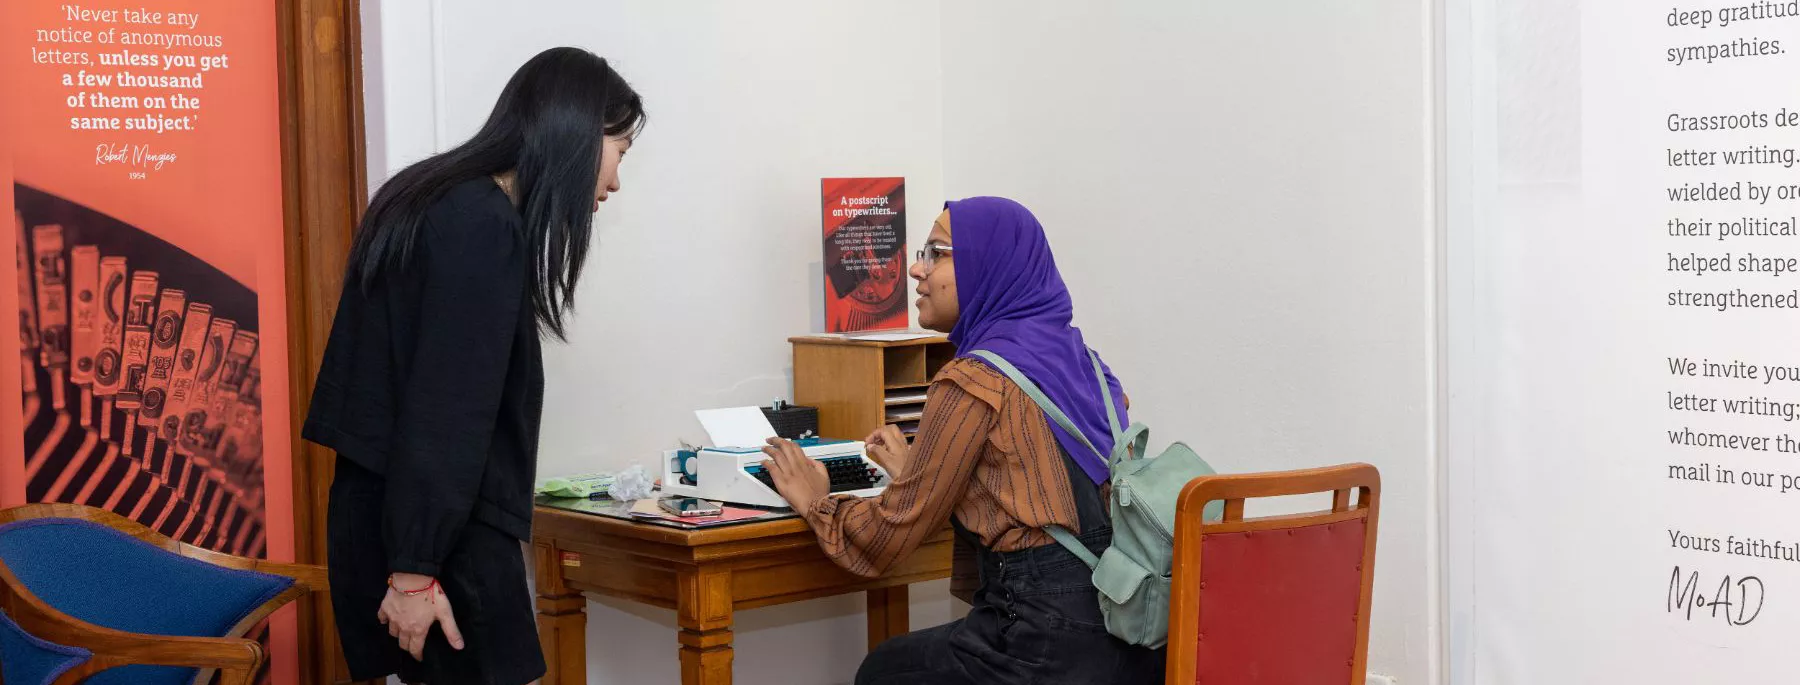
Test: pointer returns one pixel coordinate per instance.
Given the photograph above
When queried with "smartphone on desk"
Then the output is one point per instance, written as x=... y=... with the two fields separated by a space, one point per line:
x=689 y=506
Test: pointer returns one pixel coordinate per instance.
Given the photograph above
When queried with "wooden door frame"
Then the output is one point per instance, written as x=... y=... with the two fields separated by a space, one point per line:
x=324 y=186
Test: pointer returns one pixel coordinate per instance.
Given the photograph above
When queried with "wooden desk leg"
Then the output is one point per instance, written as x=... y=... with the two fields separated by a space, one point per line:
x=703 y=608
x=562 y=622
x=888 y=615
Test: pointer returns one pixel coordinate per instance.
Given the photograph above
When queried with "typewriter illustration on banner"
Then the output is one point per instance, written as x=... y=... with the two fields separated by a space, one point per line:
x=140 y=379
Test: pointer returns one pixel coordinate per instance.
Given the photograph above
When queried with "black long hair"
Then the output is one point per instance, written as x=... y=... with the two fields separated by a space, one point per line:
x=548 y=127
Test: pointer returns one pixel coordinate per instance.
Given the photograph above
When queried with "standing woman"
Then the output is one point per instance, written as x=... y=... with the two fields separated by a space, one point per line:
x=432 y=384
x=988 y=461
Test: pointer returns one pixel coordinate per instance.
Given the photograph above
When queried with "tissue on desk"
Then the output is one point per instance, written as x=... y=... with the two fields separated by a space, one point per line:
x=632 y=484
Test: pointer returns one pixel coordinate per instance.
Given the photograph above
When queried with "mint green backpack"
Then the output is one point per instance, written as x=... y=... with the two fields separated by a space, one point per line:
x=1133 y=575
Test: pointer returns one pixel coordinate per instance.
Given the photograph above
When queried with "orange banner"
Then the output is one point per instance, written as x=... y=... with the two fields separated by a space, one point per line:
x=140 y=173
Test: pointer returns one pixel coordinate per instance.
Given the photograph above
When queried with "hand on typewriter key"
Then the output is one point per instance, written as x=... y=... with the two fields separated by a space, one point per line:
x=888 y=448
x=800 y=479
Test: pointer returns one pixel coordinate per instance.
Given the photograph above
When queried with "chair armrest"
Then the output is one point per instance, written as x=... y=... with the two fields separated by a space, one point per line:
x=157 y=650
x=309 y=576
x=118 y=646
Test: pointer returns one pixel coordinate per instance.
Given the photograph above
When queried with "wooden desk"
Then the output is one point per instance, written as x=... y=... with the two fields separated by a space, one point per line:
x=704 y=575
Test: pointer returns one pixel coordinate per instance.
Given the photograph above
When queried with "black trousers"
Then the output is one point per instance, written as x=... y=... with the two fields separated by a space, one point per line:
x=1036 y=619
x=484 y=577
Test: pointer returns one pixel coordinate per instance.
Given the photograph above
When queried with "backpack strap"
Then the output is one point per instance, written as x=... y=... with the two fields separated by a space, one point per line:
x=1129 y=443
x=1112 y=415
x=1067 y=539
x=1056 y=413
x=1063 y=536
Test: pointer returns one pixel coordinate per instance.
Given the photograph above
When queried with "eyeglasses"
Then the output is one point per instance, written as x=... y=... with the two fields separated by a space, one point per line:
x=929 y=254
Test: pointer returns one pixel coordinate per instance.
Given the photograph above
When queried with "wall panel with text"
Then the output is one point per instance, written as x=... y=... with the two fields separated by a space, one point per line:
x=1624 y=309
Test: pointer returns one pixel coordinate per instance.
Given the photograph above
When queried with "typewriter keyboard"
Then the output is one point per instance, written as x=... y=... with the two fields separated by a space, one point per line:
x=847 y=473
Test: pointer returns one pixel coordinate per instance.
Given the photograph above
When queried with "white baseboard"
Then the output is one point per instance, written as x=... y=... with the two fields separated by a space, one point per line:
x=1375 y=679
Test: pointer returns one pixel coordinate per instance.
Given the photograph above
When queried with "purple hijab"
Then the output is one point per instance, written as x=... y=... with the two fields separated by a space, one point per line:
x=1014 y=304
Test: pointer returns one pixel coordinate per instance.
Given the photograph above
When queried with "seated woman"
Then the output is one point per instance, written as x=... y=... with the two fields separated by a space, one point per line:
x=987 y=459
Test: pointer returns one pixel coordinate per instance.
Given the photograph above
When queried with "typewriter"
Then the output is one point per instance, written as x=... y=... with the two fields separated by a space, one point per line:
x=737 y=474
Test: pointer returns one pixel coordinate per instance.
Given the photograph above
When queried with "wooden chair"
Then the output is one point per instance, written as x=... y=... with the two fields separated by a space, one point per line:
x=71 y=651
x=1278 y=600
x=142 y=588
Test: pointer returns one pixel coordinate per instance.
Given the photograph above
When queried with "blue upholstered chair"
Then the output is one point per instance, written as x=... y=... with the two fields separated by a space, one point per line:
x=42 y=646
x=107 y=572
x=27 y=659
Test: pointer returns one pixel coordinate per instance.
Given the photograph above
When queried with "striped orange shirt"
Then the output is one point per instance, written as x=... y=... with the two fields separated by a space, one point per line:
x=984 y=452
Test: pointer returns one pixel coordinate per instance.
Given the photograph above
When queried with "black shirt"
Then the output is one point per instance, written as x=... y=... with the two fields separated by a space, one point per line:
x=434 y=377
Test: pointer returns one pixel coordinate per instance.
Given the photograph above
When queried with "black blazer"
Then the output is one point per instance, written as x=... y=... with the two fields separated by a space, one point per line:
x=434 y=378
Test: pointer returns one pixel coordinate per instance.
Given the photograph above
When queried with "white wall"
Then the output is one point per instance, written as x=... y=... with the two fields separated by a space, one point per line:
x=708 y=258
x=1240 y=197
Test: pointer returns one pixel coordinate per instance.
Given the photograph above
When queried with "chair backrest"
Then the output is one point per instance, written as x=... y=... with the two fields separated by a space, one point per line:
x=1279 y=599
x=26 y=659
x=106 y=577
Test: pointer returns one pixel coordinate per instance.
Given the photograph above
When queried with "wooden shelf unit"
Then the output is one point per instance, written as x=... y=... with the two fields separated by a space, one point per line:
x=860 y=385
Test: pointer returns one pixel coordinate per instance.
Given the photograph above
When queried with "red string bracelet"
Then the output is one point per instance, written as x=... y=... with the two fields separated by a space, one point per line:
x=414 y=593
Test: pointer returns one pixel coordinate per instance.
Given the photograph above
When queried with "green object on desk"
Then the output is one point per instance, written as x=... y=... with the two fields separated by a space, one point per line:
x=576 y=486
